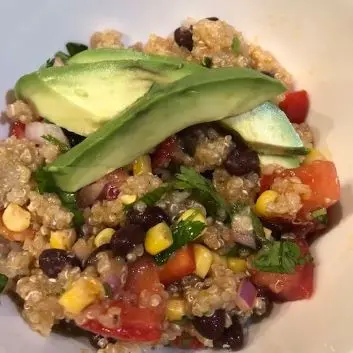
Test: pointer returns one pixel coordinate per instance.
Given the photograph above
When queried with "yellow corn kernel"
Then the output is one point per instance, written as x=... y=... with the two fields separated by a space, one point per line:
x=15 y=218
x=203 y=260
x=142 y=165
x=128 y=199
x=218 y=259
x=82 y=293
x=263 y=201
x=314 y=155
x=158 y=238
x=236 y=264
x=194 y=215
x=62 y=239
x=176 y=309
x=103 y=237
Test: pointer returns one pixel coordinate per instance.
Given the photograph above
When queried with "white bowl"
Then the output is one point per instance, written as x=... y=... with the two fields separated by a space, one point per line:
x=312 y=38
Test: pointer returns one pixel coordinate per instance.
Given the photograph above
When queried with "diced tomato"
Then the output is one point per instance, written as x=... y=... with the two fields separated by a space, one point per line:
x=18 y=130
x=186 y=341
x=135 y=324
x=296 y=106
x=181 y=264
x=322 y=178
x=289 y=287
x=162 y=156
x=143 y=275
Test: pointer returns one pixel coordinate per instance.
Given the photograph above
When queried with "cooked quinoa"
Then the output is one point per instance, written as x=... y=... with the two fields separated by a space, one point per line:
x=86 y=275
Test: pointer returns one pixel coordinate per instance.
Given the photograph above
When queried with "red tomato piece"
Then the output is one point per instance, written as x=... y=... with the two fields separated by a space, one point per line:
x=322 y=178
x=135 y=324
x=180 y=264
x=289 y=287
x=296 y=106
x=143 y=275
x=18 y=130
x=162 y=156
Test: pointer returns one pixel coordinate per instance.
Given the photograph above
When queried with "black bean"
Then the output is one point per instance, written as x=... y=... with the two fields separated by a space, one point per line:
x=212 y=18
x=69 y=328
x=233 y=337
x=183 y=37
x=148 y=218
x=191 y=136
x=53 y=261
x=267 y=73
x=240 y=162
x=92 y=257
x=125 y=239
x=74 y=139
x=211 y=327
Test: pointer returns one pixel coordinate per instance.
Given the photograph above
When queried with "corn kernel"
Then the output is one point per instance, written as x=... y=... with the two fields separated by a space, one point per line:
x=82 y=293
x=62 y=239
x=15 y=218
x=142 y=165
x=128 y=199
x=236 y=264
x=314 y=155
x=103 y=237
x=158 y=238
x=193 y=214
x=203 y=260
x=263 y=201
x=176 y=309
x=218 y=259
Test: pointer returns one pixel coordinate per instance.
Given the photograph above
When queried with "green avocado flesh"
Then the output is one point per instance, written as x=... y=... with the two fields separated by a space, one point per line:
x=81 y=98
x=109 y=54
x=268 y=130
x=283 y=161
x=201 y=97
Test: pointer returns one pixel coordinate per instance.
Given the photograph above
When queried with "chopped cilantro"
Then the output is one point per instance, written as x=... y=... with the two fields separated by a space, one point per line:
x=53 y=140
x=46 y=183
x=207 y=61
x=320 y=215
x=279 y=256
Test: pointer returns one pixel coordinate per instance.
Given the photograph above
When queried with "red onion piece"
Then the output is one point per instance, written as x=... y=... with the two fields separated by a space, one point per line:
x=246 y=295
x=35 y=130
x=246 y=239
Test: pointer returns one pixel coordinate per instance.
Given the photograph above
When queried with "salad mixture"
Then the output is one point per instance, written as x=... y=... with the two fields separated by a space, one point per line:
x=160 y=195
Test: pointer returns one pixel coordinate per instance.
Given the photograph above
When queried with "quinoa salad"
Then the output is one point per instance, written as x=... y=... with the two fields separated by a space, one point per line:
x=162 y=194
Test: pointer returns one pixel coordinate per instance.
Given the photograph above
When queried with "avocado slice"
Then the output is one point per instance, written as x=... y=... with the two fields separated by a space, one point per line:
x=81 y=98
x=287 y=162
x=201 y=97
x=268 y=130
x=111 y=54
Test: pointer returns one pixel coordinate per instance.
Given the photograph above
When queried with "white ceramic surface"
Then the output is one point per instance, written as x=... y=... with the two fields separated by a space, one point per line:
x=313 y=40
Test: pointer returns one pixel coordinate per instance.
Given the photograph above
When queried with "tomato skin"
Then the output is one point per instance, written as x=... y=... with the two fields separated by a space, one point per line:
x=179 y=265
x=288 y=287
x=139 y=324
x=162 y=156
x=322 y=178
x=296 y=106
x=135 y=324
x=18 y=130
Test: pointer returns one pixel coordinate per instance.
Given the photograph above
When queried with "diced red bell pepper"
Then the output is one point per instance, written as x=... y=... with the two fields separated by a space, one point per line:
x=18 y=130
x=180 y=264
x=296 y=106
x=163 y=154
x=322 y=178
x=135 y=324
x=288 y=287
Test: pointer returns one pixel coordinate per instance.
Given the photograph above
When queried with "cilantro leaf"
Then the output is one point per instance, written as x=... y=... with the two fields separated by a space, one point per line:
x=183 y=233
x=46 y=183
x=3 y=282
x=280 y=257
x=54 y=141
x=236 y=45
x=202 y=190
x=320 y=215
